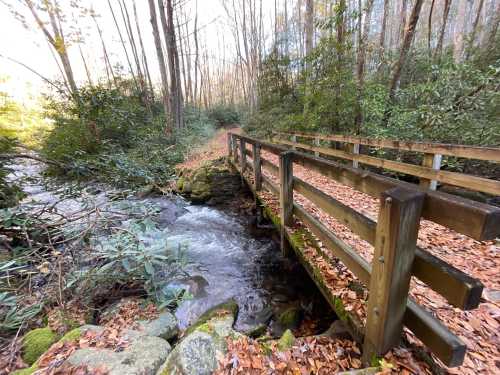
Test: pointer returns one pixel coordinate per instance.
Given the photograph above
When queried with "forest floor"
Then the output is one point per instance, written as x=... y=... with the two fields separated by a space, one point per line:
x=479 y=329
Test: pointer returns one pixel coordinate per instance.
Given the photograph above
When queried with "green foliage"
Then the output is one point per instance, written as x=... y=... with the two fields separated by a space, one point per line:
x=135 y=252
x=12 y=315
x=110 y=135
x=224 y=115
x=437 y=100
x=9 y=192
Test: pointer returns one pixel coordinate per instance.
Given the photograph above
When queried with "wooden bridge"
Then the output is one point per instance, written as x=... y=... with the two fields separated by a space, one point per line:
x=393 y=237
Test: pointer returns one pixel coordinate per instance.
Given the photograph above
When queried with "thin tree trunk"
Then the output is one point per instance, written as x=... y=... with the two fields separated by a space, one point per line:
x=107 y=62
x=143 y=52
x=123 y=44
x=402 y=25
x=407 y=41
x=363 y=40
x=56 y=40
x=161 y=63
x=382 y=35
x=492 y=34
x=429 y=28
x=459 y=31
x=446 y=12
x=472 y=36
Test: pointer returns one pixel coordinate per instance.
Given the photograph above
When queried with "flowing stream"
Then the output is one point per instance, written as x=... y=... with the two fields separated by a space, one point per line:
x=226 y=255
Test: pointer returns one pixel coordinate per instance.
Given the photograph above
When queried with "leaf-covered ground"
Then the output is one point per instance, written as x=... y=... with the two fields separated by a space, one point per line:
x=479 y=328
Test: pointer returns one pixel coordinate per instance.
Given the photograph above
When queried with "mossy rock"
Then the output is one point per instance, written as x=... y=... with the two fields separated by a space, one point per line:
x=291 y=317
x=72 y=335
x=286 y=341
x=27 y=371
x=230 y=307
x=37 y=342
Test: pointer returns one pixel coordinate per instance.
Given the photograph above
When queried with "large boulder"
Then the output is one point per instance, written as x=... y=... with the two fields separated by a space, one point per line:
x=204 y=344
x=213 y=182
x=142 y=357
x=165 y=326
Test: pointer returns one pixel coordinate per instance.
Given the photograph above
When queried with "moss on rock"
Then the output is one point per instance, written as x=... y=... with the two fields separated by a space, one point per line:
x=230 y=307
x=27 y=371
x=74 y=334
x=37 y=342
x=291 y=317
x=286 y=341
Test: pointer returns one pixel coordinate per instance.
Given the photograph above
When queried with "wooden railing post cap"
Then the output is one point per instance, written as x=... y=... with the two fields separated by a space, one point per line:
x=402 y=194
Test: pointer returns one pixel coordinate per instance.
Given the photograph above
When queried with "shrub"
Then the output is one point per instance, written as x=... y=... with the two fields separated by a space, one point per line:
x=224 y=115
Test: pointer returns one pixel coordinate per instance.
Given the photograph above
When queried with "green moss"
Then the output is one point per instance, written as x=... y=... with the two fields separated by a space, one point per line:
x=286 y=341
x=257 y=331
x=180 y=184
x=275 y=219
x=266 y=348
x=27 y=371
x=74 y=334
x=291 y=317
x=205 y=327
x=37 y=342
x=230 y=307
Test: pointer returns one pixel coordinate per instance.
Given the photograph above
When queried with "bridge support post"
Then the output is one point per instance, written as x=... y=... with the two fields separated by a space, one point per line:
x=316 y=144
x=431 y=161
x=235 y=148
x=286 y=197
x=243 y=155
x=257 y=166
x=395 y=244
x=229 y=144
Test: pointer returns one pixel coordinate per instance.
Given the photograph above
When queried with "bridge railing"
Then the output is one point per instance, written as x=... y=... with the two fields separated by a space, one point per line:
x=429 y=172
x=394 y=237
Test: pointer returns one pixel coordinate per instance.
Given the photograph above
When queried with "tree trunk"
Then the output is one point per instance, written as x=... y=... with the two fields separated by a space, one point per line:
x=309 y=31
x=173 y=63
x=382 y=35
x=161 y=63
x=143 y=52
x=472 y=36
x=408 y=38
x=446 y=12
x=361 y=65
x=429 y=29
x=459 y=31
x=56 y=40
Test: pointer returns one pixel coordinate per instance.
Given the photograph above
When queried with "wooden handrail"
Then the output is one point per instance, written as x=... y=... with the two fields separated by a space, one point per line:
x=460 y=151
x=460 y=289
x=453 y=178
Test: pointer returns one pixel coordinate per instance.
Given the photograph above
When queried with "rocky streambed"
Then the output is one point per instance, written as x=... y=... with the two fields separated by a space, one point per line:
x=234 y=280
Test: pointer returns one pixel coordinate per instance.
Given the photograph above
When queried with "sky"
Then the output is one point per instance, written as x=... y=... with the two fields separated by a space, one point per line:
x=30 y=46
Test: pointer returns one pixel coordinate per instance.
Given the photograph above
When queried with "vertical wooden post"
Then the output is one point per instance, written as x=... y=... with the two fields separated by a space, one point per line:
x=355 y=151
x=229 y=144
x=294 y=140
x=316 y=144
x=395 y=243
x=257 y=166
x=235 y=148
x=243 y=155
x=286 y=196
x=431 y=161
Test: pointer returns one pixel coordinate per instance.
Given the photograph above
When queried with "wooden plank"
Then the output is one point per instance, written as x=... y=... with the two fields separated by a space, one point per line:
x=286 y=196
x=460 y=151
x=447 y=346
x=457 y=287
x=271 y=167
x=357 y=222
x=474 y=219
x=443 y=343
x=356 y=264
x=453 y=178
x=270 y=186
x=257 y=166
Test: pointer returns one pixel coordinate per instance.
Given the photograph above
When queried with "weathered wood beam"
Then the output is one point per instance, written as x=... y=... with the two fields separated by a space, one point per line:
x=460 y=151
x=453 y=178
